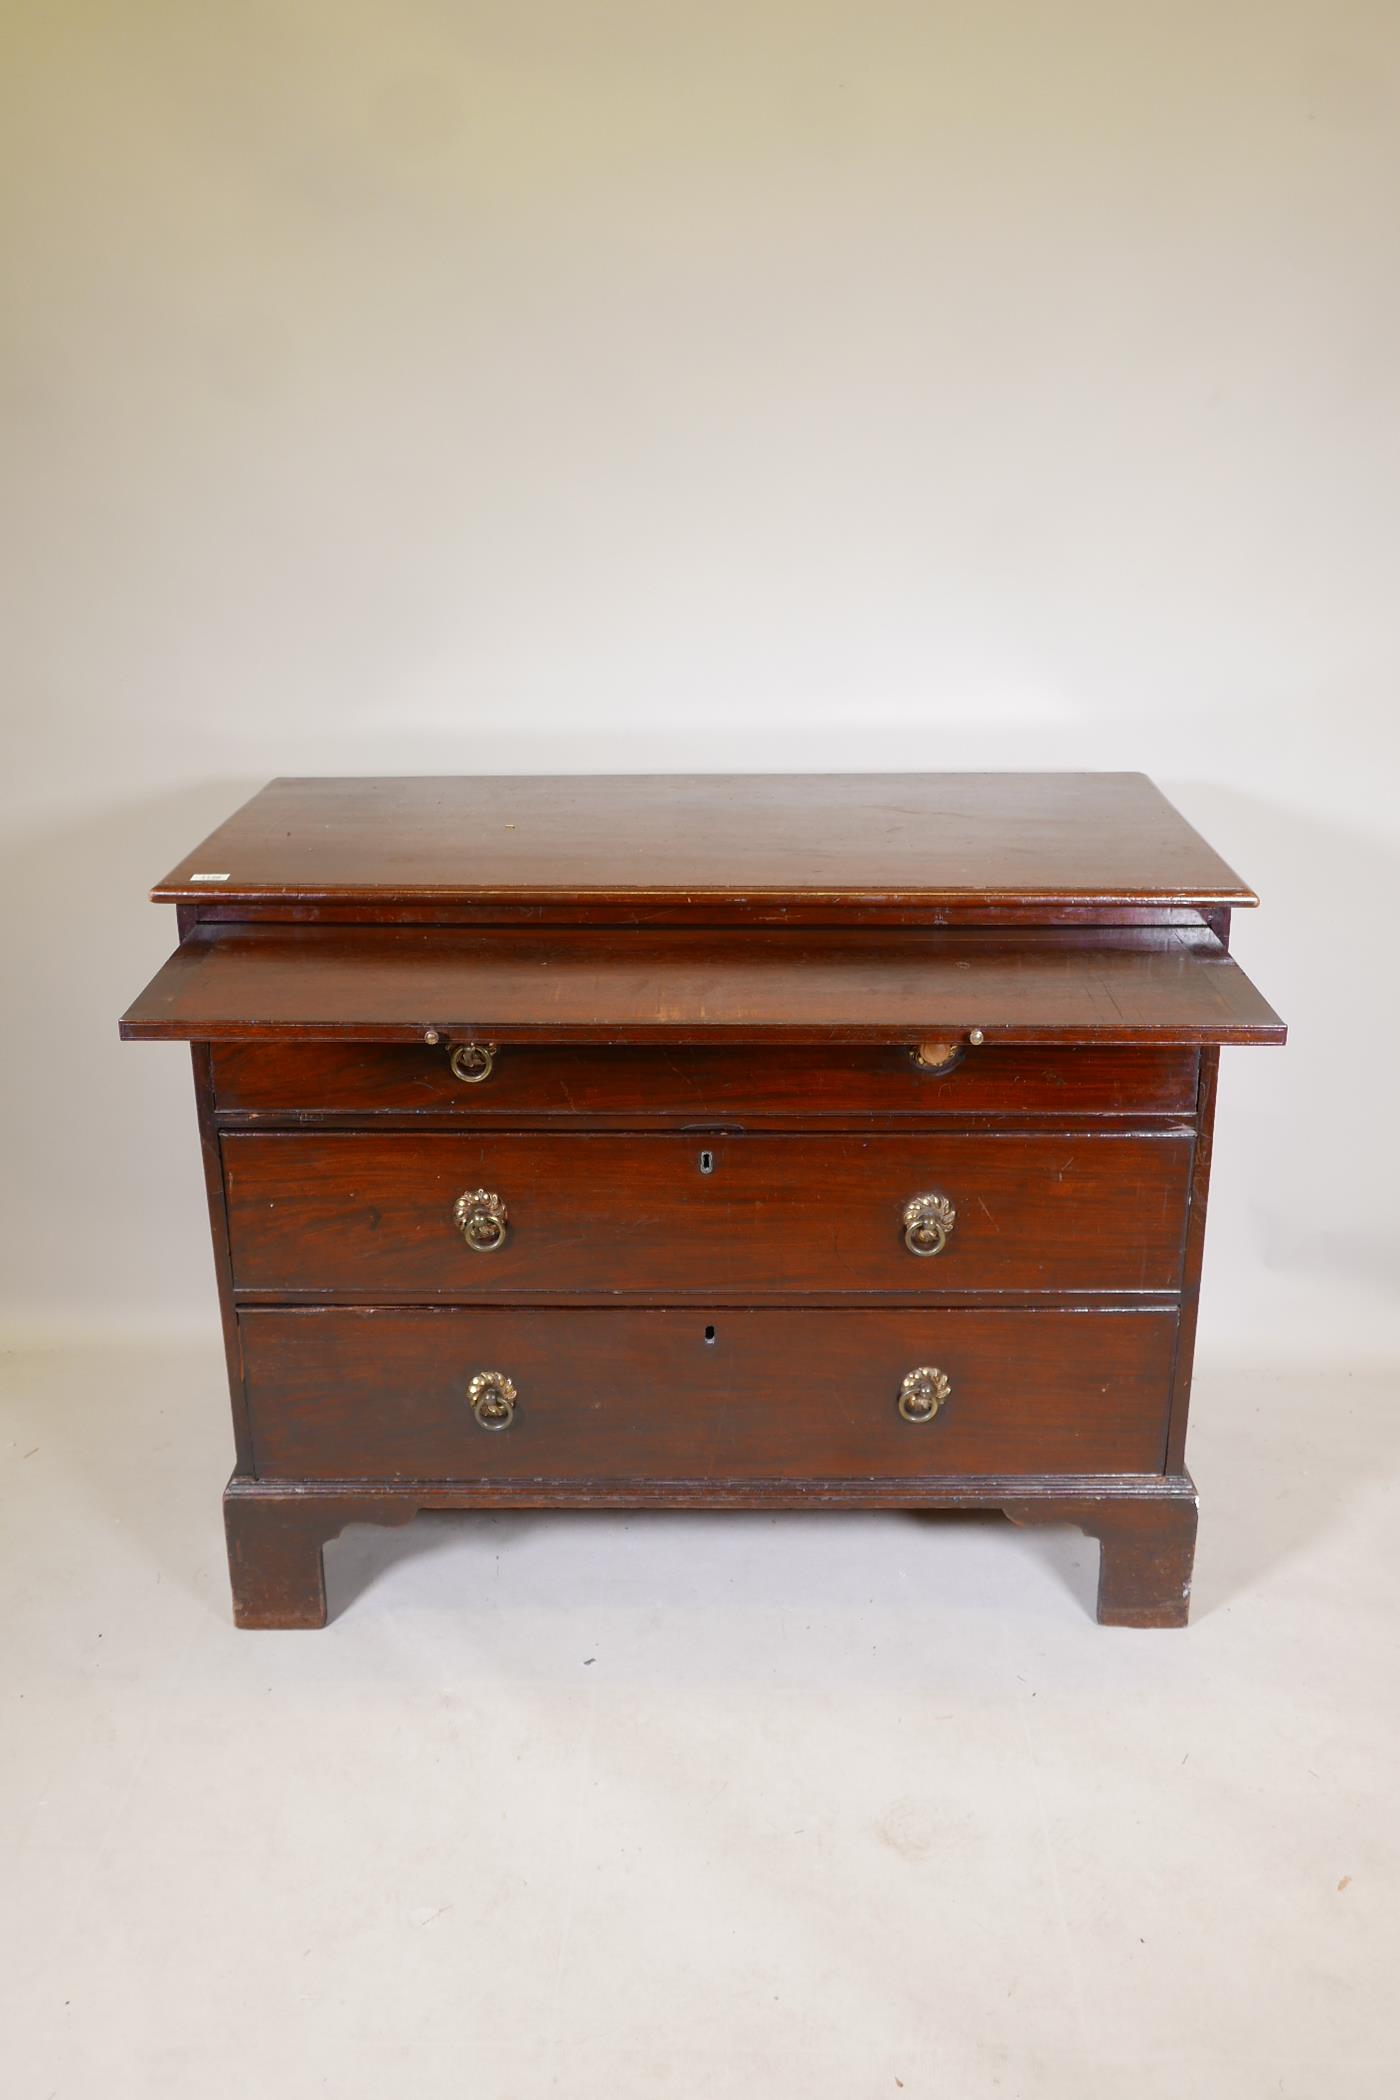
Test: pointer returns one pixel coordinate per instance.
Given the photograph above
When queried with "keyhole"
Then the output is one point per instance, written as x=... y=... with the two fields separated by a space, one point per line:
x=707 y=1166
x=709 y=1334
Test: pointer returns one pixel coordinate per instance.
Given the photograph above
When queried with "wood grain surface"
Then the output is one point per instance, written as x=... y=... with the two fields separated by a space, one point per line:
x=533 y=1082
x=631 y=1395
x=392 y=984
x=655 y=1214
x=842 y=839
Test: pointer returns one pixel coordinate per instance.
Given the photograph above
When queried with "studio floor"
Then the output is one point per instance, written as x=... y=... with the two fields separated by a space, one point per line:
x=698 y=1805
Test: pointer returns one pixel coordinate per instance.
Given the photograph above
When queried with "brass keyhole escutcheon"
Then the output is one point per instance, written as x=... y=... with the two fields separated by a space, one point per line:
x=472 y=1062
x=923 y=1392
x=928 y=1220
x=481 y=1219
x=492 y=1397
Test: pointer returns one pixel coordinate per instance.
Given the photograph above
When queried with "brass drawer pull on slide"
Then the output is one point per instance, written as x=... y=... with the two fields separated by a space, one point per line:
x=938 y=1057
x=923 y=1392
x=928 y=1220
x=481 y=1220
x=472 y=1062
x=492 y=1398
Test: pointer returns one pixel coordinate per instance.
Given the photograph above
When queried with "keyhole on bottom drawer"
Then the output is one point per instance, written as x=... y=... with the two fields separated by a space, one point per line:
x=709 y=1334
x=707 y=1162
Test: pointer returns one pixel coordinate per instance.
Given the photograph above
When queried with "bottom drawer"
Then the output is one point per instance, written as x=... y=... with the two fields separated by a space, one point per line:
x=620 y=1395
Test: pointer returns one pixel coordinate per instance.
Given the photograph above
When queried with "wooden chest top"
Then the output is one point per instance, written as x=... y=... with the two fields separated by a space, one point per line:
x=840 y=842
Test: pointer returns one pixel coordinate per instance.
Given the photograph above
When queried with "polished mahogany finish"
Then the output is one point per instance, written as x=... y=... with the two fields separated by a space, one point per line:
x=737 y=1087
x=640 y=1213
x=844 y=842
x=734 y=1143
x=680 y=985
x=645 y=1397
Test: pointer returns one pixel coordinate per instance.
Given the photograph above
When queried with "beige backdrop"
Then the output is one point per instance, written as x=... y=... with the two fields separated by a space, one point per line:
x=398 y=386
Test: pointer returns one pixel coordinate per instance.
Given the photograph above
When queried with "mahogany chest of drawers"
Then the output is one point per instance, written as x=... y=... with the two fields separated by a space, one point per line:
x=758 y=1143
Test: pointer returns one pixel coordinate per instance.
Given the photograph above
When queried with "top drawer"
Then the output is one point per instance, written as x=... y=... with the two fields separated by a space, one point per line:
x=357 y=1082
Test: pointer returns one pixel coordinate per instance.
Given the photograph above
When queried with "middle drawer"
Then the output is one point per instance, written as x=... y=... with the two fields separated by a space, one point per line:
x=407 y=1216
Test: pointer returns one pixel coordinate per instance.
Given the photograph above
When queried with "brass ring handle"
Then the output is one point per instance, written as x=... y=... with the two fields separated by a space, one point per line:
x=923 y=1392
x=472 y=1062
x=928 y=1220
x=481 y=1219
x=493 y=1399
